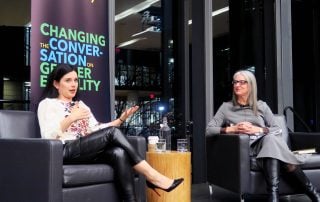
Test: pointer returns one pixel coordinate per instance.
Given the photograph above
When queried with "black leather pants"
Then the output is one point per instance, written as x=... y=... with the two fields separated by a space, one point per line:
x=118 y=158
x=111 y=146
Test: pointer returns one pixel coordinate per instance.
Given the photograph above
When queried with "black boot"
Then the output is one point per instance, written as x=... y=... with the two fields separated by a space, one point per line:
x=271 y=171
x=305 y=183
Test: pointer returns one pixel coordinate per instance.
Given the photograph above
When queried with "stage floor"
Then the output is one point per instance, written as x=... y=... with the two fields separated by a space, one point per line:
x=201 y=193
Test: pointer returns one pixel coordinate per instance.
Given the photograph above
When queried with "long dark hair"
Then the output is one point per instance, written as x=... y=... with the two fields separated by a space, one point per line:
x=50 y=91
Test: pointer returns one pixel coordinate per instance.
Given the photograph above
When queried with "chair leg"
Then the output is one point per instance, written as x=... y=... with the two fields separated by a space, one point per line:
x=210 y=191
x=242 y=198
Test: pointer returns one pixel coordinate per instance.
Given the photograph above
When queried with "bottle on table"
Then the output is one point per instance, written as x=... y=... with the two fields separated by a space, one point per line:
x=165 y=133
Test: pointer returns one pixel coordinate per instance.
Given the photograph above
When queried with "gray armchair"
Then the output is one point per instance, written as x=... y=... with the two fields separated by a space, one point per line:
x=230 y=166
x=32 y=168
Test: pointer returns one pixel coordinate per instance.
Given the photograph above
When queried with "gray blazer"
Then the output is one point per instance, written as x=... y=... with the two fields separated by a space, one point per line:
x=270 y=145
x=232 y=114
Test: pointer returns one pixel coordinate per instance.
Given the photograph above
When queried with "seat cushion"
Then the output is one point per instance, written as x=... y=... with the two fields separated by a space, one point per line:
x=86 y=174
x=313 y=162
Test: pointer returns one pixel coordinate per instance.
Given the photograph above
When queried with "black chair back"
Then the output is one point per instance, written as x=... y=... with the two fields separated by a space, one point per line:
x=18 y=124
x=281 y=121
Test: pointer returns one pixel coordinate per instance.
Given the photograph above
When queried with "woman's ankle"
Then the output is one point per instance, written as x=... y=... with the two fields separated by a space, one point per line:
x=291 y=168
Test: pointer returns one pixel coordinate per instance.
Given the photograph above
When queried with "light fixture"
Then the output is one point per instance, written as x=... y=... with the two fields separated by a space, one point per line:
x=219 y=11
x=27 y=83
x=215 y=13
x=161 y=108
x=135 y=9
x=127 y=43
x=28 y=24
x=149 y=29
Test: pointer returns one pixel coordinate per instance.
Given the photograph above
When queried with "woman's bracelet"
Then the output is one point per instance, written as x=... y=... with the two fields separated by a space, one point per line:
x=121 y=119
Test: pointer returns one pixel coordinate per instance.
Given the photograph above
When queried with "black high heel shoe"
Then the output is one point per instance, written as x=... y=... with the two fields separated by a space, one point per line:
x=174 y=184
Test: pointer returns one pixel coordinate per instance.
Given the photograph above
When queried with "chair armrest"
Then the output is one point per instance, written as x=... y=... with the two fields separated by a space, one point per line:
x=304 y=140
x=139 y=143
x=31 y=170
x=228 y=161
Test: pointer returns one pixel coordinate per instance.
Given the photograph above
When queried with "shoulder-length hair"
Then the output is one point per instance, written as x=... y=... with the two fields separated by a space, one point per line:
x=252 y=84
x=57 y=73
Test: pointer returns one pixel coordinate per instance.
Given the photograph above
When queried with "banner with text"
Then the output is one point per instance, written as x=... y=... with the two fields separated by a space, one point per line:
x=73 y=32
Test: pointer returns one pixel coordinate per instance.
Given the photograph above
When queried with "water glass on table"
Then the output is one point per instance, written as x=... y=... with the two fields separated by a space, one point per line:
x=182 y=145
x=161 y=145
x=152 y=141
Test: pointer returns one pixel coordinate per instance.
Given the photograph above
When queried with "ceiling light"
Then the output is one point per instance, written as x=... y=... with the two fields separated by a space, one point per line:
x=127 y=43
x=27 y=83
x=28 y=24
x=149 y=29
x=219 y=11
x=215 y=13
x=135 y=9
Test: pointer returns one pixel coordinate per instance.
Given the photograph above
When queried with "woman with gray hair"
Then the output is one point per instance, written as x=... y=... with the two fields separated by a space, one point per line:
x=247 y=115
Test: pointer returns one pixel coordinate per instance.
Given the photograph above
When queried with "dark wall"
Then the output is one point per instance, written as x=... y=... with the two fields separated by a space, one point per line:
x=305 y=58
x=12 y=53
x=252 y=44
x=138 y=57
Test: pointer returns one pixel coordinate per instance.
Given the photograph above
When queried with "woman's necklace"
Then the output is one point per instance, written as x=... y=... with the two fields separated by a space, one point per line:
x=242 y=103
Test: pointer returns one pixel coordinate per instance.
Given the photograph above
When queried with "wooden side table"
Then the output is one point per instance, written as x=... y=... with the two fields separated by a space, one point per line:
x=174 y=165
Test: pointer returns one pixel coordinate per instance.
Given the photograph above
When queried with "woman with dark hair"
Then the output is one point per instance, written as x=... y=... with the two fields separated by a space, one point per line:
x=63 y=116
x=247 y=115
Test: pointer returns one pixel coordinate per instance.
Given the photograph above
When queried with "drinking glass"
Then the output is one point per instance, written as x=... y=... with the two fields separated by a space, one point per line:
x=161 y=145
x=182 y=145
x=152 y=141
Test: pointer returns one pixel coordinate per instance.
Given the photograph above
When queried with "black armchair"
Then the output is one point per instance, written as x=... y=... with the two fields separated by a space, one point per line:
x=230 y=166
x=32 y=168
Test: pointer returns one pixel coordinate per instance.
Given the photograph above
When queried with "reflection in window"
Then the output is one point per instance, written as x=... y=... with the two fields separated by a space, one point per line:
x=131 y=76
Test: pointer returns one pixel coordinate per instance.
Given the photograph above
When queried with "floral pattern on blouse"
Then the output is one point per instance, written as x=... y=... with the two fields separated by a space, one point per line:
x=78 y=128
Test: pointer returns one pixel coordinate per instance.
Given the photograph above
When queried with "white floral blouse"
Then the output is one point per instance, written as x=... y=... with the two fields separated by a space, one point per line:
x=52 y=111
